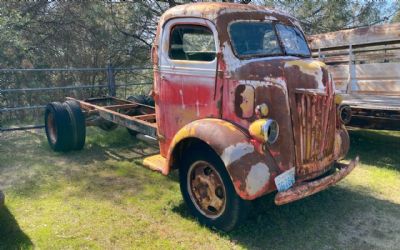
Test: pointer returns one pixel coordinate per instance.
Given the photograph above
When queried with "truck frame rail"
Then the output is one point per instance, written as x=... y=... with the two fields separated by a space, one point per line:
x=132 y=115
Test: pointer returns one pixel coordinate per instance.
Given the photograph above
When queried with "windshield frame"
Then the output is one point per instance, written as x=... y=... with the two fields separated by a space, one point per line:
x=281 y=44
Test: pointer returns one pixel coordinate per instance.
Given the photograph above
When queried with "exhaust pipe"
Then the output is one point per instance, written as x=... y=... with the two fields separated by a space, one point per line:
x=146 y=138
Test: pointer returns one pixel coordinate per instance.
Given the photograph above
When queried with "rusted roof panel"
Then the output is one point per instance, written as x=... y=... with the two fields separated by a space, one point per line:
x=211 y=11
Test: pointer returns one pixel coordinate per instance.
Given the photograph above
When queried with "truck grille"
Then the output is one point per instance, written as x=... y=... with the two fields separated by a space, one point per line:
x=315 y=133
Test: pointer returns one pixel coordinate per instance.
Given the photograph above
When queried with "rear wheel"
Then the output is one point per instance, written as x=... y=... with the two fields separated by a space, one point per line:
x=107 y=125
x=209 y=193
x=58 y=127
x=77 y=123
x=141 y=99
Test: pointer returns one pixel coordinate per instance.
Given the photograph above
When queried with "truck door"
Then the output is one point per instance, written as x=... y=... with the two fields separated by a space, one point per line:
x=188 y=65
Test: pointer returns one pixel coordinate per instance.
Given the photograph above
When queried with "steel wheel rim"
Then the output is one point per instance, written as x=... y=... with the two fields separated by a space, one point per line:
x=206 y=189
x=51 y=128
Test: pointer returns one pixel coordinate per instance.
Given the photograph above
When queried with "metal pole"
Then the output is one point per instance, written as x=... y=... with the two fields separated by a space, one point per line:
x=111 y=80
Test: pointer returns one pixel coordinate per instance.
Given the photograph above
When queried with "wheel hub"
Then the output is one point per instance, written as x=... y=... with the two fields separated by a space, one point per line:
x=206 y=189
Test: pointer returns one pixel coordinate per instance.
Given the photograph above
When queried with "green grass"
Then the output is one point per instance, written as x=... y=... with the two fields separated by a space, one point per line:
x=102 y=197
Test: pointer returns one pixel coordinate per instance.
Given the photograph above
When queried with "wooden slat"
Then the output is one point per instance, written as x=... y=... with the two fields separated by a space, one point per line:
x=367 y=56
x=378 y=71
x=373 y=34
x=379 y=77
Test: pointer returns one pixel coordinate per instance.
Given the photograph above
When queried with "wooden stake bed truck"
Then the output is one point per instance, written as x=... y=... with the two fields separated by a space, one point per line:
x=241 y=110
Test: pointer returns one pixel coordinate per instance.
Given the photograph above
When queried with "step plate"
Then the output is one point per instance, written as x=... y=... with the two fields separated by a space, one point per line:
x=156 y=163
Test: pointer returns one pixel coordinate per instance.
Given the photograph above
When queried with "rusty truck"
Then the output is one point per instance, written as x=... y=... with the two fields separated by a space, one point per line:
x=241 y=111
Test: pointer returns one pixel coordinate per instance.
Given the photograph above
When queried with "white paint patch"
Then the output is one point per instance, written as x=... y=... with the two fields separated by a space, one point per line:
x=181 y=94
x=270 y=18
x=235 y=152
x=197 y=108
x=257 y=178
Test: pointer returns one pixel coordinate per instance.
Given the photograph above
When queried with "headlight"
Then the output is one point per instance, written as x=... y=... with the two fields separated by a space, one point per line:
x=265 y=130
x=344 y=114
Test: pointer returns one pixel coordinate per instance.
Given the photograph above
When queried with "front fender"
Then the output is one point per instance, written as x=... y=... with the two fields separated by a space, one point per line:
x=251 y=170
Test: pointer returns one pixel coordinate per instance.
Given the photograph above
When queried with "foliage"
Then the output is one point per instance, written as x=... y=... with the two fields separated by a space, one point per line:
x=94 y=34
x=319 y=16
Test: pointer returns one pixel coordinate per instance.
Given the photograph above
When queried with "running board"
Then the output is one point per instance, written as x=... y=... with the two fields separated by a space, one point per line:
x=156 y=163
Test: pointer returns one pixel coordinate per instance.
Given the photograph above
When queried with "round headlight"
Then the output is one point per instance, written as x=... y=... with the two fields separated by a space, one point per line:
x=270 y=131
x=344 y=114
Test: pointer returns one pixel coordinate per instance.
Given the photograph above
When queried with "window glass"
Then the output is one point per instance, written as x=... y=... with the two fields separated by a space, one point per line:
x=254 y=39
x=189 y=42
x=293 y=40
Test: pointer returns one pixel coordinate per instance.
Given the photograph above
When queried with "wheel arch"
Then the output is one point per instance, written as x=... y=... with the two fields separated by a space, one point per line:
x=233 y=146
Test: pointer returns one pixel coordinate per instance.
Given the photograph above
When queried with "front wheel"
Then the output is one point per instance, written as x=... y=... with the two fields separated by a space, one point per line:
x=209 y=193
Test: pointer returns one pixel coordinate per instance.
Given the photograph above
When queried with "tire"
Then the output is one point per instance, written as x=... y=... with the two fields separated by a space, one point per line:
x=208 y=166
x=141 y=99
x=77 y=123
x=107 y=125
x=58 y=127
x=132 y=132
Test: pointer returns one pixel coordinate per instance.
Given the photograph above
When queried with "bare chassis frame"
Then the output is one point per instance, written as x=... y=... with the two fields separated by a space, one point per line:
x=132 y=115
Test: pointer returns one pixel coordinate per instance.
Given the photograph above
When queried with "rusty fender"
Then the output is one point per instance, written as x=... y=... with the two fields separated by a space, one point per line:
x=302 y=190
x=251 y=170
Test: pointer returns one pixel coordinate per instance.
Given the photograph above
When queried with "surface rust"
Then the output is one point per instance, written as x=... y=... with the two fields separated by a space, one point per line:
x=298 y=93
x=303 y=190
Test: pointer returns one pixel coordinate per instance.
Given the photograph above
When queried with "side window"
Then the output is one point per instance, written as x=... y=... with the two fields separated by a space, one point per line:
x=191 y=42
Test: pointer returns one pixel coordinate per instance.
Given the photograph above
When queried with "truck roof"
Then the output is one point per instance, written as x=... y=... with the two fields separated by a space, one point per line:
x=225 y=11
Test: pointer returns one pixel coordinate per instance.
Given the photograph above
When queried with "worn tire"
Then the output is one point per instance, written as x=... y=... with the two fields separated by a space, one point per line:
x=58 y=127
x=235 y=210
x=78 y=124
x=107 y=126
x=142 y=99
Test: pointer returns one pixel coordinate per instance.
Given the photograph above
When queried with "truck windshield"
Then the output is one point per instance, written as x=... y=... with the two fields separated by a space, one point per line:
x=257 y=39
x=254 y=39
x=293 y=40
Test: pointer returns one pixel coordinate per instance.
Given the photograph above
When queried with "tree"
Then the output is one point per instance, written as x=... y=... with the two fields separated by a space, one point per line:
x=319 y=16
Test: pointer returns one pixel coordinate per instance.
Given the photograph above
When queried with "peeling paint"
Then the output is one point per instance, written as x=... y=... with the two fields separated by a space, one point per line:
x=312 y=68
x=257 y=178
x=235 y=152
x=298 y=93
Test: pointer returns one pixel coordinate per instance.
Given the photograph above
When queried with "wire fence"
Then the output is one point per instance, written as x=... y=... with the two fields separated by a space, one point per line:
x=24 y=93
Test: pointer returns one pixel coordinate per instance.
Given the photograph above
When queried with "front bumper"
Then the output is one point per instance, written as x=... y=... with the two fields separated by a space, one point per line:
x=304 y=189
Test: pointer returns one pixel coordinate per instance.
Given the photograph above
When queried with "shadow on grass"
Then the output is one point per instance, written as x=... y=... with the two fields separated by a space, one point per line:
x=107 y=168
x=336 y=218
x=11 y=235
x=379 y=148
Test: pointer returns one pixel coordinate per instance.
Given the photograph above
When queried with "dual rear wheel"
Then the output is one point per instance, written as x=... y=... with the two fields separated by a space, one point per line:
x=65 y=126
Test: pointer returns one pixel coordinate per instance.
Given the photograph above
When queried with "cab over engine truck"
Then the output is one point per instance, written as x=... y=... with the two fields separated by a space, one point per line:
x=241 y=110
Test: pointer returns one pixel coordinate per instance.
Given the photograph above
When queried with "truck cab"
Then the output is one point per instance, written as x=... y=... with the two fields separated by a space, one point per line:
x=237 y=92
